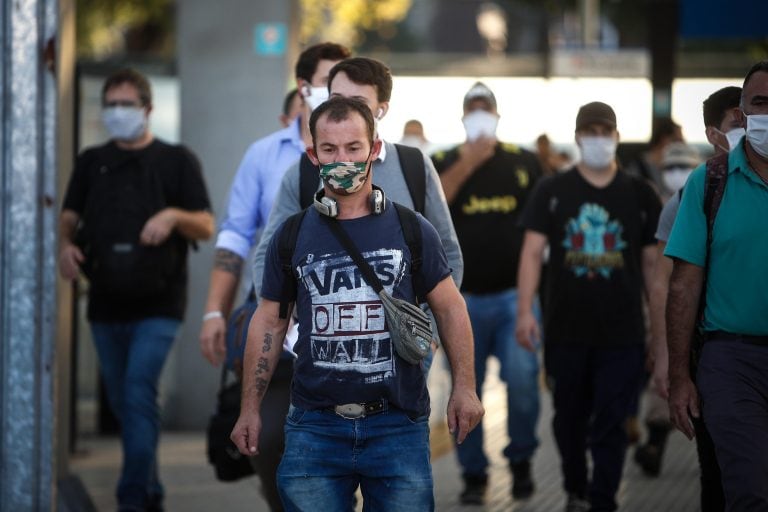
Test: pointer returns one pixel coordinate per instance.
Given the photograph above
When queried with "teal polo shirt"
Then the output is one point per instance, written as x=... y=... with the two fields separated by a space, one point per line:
x=737 y=282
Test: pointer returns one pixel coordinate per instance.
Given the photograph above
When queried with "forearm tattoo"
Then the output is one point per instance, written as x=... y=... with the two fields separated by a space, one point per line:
x=228 y=261
x=262 y=366
x=267 y=343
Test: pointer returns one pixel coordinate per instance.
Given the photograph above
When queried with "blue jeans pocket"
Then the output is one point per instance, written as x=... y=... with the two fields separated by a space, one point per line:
x=295 y=415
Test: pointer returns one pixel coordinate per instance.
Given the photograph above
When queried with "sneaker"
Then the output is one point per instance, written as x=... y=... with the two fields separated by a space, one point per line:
x=522 y=484
x=576 y=503
x=474 y=490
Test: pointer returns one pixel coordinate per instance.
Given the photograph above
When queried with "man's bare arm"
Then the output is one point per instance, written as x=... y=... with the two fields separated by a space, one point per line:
x=262 y=352
x=225 y=276
x=70 y=256
x=471 y=156
x=527 y=330
x=685 y=288
x=657 y=304
x=464 y=408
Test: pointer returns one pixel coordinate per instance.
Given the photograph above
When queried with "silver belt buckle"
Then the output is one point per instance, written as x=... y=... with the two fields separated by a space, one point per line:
x=350 y=411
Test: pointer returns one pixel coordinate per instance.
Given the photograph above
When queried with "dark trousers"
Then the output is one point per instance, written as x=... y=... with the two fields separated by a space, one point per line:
x=712 y=498
x=733 y=383
x=274 y=408
x=593 y=388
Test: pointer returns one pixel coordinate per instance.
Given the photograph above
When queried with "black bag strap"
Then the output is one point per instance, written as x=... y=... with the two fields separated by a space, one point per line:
x=412 y=165
x=714 y=189
x=309 y=181
x=343 y=237
x=286 y=245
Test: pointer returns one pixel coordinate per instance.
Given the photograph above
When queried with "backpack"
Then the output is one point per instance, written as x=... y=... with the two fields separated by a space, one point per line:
x=286 y=245
x=411 y=163
x=714 y=189
x=124 y=191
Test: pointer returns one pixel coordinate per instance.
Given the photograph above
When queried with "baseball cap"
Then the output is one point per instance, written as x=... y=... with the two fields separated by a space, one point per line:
x=480 y=91
x=680 y=154
x=596 y=112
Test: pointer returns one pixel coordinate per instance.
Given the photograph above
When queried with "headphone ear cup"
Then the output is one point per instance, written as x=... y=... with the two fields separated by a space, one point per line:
x=378 y=202
x=326 y=205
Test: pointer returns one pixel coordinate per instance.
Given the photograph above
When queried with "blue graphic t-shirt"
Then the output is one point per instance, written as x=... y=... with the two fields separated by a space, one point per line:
x=596 y=237
x=344 y=350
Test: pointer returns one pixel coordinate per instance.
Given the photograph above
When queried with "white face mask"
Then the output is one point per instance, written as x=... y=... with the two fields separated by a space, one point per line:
x=124 y=123
x=480 y=123
x=757 y=133
x=734 y=136
x=597 y=152
x=315 y=96
x=675 y=178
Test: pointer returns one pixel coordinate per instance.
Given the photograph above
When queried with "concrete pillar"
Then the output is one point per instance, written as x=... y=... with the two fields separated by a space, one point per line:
x=231 y=95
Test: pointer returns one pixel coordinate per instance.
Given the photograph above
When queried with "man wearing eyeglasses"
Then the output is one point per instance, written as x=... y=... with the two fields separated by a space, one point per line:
x=132 y=207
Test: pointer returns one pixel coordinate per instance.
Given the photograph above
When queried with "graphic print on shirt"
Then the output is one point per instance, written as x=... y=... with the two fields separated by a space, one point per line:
x=593 y=243
x=348 y=332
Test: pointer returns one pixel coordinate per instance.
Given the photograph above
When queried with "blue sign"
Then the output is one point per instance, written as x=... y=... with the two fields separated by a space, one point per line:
x=270 y=38
x=716 y=19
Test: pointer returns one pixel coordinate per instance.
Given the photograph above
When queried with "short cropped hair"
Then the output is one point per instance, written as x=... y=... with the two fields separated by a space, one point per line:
x=288 y=100
x=662 y=127
x=307 y=63
x=339 y=108
x=366 y=71
x=718 y=103
x=130 y=76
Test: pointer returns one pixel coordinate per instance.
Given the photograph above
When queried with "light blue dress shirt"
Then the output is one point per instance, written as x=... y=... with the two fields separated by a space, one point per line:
x=255 y=186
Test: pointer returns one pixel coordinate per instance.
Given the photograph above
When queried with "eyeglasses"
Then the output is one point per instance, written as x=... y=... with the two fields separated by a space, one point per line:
x=121 y=103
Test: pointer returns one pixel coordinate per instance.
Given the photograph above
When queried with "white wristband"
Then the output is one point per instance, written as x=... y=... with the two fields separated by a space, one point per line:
x=212 y=314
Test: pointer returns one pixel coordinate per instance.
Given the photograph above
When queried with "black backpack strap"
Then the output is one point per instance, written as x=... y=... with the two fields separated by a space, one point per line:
x=717 y=175
x=309 y=181
x=411 y=227
x=286 y=245
x=412 y=165
x=714 y=188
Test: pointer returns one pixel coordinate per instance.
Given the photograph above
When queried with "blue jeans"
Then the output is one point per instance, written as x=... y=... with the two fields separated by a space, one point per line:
x=493 y=318
x=131 y=355
x=327 y=457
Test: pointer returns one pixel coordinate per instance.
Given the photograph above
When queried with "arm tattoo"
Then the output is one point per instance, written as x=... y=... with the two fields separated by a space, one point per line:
x=228 y=262
x=267 y=343
x=261 y=386
x=262 y=366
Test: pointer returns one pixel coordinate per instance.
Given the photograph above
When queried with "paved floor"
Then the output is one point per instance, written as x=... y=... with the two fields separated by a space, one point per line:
x=191 y=485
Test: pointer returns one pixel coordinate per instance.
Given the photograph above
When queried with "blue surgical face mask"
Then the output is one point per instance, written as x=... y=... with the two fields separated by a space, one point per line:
x=124 y=123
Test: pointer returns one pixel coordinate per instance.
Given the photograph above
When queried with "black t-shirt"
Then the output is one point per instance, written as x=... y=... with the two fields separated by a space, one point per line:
x=485 y=214
x=596 y=237
x=181 y=185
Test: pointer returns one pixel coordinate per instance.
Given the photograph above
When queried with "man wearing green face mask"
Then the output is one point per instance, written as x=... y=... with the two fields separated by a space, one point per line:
x=359 y=411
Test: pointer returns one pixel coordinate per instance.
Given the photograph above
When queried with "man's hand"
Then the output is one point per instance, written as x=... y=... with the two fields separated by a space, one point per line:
x=464 y=412
x=527 y=331
x=478 y=151
x=70 y=258
x=158 y=228
x=245 y=435
x=213 y=340
x=683 y=399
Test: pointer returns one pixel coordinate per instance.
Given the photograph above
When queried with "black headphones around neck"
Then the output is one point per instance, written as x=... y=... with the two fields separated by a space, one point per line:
x=330 y=208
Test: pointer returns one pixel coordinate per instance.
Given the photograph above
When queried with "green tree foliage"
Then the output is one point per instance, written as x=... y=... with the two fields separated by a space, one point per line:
x=106 y=28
